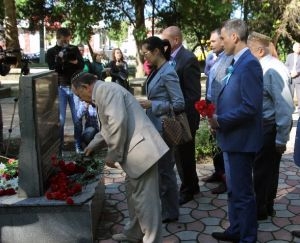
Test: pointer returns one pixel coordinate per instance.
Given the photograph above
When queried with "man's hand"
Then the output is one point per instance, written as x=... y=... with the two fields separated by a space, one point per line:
x=294 y=74
x=280 y=148
x=213 y=122
x=87 y=151
x=111 y=164
x=146 y=104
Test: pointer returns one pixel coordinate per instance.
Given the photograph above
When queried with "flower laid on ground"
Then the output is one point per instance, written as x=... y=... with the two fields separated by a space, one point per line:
x=8 y=177
x=70 y=177
x=204 y=108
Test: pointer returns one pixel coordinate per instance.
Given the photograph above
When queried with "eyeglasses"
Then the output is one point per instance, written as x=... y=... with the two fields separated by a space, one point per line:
x=145 y=53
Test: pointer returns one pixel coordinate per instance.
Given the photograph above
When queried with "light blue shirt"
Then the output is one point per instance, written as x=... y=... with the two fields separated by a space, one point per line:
x=212 y=75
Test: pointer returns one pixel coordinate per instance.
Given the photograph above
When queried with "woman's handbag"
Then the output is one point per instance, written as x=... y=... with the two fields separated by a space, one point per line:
x=176 y=129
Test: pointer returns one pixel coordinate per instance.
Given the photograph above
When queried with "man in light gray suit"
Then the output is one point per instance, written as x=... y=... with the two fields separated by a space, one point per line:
x=133 y=141
x=293 y=65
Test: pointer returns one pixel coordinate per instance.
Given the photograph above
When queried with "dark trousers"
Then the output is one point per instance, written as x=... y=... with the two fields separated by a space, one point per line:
x=266 y=172
x=241 y=198
x=219 y=163
x=186 y=162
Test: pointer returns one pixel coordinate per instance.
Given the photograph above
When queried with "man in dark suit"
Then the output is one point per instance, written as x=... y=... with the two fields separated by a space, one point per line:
x=293 y=65
x=188 y=70
x=238 y=123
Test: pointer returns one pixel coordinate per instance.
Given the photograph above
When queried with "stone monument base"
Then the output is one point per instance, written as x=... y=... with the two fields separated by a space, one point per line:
x=49 y=221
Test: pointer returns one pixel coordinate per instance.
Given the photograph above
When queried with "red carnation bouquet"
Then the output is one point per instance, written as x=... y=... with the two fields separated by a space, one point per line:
x=70 y=178
x=205 y=109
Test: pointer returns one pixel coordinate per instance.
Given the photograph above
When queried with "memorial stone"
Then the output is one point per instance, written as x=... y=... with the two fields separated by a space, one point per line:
x=39 y=127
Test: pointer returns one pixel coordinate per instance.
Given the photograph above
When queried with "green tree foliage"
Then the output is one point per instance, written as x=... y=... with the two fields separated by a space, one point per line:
x=118 y=31
x=196 y=18
x=278 y=19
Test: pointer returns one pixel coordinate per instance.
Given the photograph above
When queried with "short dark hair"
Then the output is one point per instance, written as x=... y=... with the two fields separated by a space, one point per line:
x=65 y=32
x=80 y=78
x=154 y=42
x=238 y=26
x=218 y=31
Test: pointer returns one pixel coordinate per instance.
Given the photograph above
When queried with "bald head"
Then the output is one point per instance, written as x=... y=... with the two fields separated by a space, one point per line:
x=174 y=35
x=296 y=47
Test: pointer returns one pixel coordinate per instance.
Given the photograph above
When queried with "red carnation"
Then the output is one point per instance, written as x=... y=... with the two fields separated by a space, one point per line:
x=69 y=201
x=205 y=109
x=10 y=191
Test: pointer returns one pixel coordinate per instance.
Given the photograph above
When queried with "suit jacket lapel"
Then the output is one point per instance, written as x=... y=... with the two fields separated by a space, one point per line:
x=235 y=65
x=155 y=80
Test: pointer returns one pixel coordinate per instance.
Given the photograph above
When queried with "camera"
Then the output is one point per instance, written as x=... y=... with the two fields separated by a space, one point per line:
x=69 y=54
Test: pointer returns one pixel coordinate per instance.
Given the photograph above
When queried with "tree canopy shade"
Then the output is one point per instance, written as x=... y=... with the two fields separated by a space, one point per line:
x=197 y=18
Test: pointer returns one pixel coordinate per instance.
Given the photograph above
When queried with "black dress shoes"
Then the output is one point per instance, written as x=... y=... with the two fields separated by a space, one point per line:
x=296 y=233
x=223 y=236
x=166 y=221
x=212 y=178
x=222 y=188
x=184 y=198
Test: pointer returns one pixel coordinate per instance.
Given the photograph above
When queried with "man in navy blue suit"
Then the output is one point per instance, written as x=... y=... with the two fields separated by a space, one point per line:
x=238 y=123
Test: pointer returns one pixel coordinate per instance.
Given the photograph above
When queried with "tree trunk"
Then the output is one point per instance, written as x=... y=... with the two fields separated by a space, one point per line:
x=139 y=33
x=11 y=29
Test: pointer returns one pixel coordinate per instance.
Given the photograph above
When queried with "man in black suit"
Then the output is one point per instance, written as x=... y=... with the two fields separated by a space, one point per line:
x=188 y=70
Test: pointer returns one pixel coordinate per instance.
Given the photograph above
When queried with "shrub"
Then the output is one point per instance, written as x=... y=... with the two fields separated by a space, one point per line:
x=205 y=142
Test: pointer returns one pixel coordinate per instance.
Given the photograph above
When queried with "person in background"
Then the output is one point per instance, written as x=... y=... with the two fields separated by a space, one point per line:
x=118 y=69
x=87 y=64
x=187 y=68
x=132 y=140
x=214 y=85
x=293 y=65
x=278 y=108
x=91 y=126
x=98 y=67
x=209 y=61
x=163 y=94
x=238 y=125
x=66 y=59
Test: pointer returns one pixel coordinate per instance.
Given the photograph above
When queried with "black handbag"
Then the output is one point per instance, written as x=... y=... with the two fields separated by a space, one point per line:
x=176 y=129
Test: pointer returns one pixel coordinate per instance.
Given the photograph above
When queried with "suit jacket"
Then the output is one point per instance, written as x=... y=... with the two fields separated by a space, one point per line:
x=131 y=138
x=188 y=71
x=290 y=63
x=239 y=107
x=163 y=89
x=216 y=75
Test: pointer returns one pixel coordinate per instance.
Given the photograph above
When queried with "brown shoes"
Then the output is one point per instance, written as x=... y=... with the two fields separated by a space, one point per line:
x=213 y=178
x=222 y=188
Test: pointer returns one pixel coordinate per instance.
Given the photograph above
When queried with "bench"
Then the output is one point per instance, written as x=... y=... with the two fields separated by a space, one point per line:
x=138 y=86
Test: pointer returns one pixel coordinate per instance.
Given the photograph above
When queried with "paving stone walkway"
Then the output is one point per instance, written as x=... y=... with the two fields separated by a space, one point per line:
x=208 y=212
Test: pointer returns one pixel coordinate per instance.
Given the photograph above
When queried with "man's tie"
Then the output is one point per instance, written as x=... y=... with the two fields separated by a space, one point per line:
x=229 y=72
